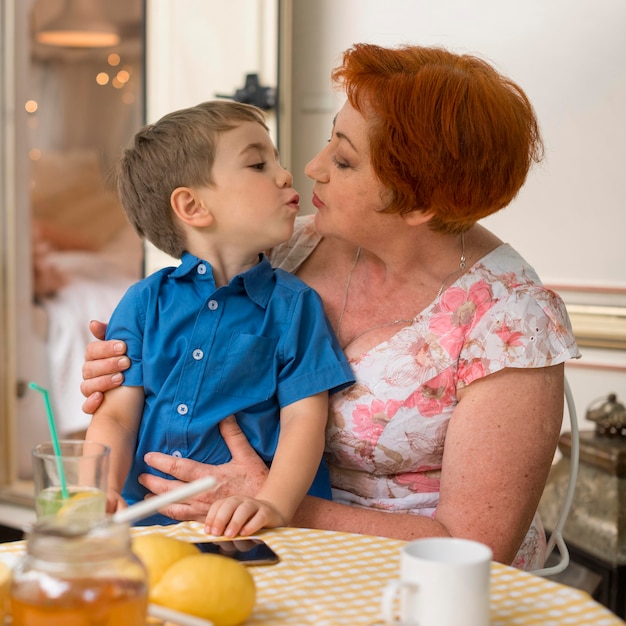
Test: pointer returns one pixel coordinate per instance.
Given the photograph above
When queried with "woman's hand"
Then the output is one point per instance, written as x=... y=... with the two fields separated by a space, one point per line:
x=243 y=475
x=104 y=363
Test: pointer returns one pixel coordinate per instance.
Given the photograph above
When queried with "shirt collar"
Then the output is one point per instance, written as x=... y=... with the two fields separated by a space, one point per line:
x=258 y=281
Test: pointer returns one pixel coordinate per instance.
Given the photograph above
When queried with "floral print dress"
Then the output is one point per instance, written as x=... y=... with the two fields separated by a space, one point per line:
x=386 y=433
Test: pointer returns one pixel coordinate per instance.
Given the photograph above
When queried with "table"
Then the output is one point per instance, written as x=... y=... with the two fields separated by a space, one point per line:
x=335 y=579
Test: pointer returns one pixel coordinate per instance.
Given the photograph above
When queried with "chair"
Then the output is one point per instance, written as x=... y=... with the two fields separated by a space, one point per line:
x=556 y=537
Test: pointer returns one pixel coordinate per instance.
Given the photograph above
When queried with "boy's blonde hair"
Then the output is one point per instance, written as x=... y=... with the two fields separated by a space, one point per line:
x=177 y=151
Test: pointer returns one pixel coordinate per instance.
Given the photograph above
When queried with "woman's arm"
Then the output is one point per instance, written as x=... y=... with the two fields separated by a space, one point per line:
x=498 y=450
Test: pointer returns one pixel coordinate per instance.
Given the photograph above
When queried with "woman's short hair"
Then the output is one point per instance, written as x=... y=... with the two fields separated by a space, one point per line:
x=450 y=134
x=177 y=151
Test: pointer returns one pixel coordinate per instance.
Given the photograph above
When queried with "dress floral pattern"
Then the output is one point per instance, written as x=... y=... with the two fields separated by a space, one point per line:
x=386 y=433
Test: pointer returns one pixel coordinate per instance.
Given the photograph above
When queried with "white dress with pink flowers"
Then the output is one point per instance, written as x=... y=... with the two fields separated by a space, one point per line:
x=386 y=433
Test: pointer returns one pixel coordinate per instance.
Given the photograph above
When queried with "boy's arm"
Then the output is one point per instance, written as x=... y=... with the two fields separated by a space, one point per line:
x=116 y=424
x=297 y=459
x=298 y=454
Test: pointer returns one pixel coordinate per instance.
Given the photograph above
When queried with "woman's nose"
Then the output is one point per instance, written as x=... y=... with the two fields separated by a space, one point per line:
x=315 y=169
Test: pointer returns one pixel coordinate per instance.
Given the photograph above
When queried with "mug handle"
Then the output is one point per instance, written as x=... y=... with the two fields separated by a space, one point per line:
x=388 y=601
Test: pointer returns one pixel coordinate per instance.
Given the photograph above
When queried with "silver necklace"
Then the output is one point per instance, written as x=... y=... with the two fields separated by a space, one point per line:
x=462 y=266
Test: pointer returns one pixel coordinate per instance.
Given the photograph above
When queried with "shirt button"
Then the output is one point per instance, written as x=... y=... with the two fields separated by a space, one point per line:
x=201 y=269
x=182 y=409
x=213 y=304
x=197 y=354
x=177 y=453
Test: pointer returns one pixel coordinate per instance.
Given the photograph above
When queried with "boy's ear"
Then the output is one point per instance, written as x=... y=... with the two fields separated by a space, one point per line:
x=189 y=208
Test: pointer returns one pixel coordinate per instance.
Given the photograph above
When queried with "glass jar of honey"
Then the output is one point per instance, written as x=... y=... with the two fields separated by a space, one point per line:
x=79 y=571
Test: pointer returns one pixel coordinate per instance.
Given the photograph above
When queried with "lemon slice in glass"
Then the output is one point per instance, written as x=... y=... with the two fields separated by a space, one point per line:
x=83 y=502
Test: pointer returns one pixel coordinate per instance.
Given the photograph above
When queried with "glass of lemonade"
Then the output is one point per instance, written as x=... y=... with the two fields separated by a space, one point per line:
x=82 y=467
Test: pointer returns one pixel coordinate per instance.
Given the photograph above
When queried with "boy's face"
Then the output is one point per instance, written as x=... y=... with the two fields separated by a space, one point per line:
x=251 y=198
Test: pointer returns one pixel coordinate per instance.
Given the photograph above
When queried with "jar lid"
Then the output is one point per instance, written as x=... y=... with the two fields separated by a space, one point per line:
x=75 y=525
x=61 y=538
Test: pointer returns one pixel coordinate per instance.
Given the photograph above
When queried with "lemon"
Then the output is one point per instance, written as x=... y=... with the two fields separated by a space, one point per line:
x=92 y=501
x=5 y=580
x=158 y=552
x=209 y=586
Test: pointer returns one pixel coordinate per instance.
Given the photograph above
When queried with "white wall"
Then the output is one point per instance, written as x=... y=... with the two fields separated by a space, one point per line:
x=198 y=49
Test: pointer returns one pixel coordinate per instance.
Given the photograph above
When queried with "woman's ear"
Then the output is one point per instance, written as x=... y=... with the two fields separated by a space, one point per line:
x=416 y=218
x=189 y=208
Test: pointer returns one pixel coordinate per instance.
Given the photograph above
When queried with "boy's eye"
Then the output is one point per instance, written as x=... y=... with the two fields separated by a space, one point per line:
x=258 y=166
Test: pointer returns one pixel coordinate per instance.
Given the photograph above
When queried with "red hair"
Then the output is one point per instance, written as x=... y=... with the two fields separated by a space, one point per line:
x=449 y=135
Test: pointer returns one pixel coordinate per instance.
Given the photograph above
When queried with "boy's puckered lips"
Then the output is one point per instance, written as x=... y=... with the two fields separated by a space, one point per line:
x=295 y=201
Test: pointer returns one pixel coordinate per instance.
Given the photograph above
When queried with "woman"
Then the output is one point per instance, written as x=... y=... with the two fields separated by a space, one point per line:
x=456 y=347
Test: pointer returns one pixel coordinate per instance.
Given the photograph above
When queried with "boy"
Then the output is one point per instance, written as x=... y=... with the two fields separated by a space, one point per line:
x=223 y=333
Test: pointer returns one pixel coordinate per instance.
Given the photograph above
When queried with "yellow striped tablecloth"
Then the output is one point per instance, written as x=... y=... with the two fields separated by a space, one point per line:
x=335 y=579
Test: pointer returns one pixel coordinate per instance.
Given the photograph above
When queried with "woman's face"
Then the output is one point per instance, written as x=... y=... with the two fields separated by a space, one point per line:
x=347 y=194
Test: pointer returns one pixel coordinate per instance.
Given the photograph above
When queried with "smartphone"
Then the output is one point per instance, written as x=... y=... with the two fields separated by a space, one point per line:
x=251 y=551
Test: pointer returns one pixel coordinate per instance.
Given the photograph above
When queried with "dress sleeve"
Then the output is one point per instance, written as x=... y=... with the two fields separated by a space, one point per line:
x=526 y=329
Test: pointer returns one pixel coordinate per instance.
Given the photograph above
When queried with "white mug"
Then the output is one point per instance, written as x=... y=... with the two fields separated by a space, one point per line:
x=443 y=582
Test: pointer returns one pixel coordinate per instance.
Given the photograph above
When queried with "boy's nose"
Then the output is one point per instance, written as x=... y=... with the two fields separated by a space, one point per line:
x=285 y=178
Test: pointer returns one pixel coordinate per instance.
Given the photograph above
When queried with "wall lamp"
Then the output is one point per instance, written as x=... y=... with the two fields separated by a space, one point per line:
x=80 y=24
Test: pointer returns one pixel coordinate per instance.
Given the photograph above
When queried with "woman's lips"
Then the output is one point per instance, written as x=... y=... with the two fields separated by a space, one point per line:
x=317 y=203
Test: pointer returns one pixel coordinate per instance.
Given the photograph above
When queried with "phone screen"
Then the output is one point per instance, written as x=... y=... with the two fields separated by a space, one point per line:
x=249 y=551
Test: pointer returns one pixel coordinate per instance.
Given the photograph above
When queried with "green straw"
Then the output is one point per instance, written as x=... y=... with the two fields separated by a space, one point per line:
x=54 y=437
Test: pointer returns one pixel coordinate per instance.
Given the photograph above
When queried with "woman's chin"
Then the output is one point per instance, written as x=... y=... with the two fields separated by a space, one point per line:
x=321 y=225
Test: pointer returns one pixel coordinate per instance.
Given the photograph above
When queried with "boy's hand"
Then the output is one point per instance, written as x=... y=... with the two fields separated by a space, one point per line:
x=241 y=515
x=115 y=502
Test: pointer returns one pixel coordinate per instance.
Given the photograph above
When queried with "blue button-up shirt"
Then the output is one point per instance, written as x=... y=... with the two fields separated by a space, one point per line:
x=248 y=348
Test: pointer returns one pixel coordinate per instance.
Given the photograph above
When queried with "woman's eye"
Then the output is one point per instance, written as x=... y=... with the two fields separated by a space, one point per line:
x=340 y=164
